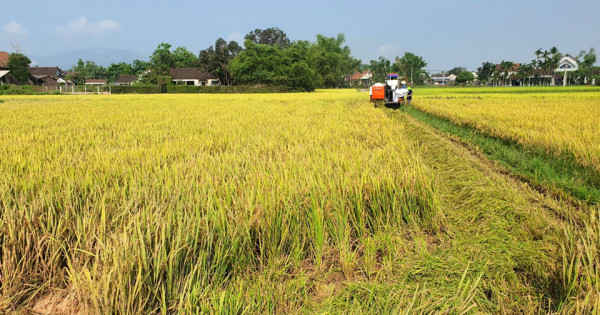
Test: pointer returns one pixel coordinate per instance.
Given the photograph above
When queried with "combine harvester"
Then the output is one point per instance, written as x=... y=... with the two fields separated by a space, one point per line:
x=390 y=94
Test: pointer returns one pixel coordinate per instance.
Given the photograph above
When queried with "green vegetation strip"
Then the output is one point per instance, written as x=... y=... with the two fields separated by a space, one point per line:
x=535 y=165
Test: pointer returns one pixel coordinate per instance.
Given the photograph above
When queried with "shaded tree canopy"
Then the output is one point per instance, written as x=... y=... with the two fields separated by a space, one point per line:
x=87 y=70
x=182 y=58
x=270 y=65
x=465 y=77
x=302 y=66
x=216 y=59
x=18 y=64
x=332 y=60
x=380 y=68
x=161 y=60
x=485 y=71
x=139 y=66
x=457 y=70
x=271 y=36
x=412 y=67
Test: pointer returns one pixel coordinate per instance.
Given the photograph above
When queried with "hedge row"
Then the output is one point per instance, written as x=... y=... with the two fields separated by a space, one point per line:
x=135 y=89
x=17 y=90
x=150 y=89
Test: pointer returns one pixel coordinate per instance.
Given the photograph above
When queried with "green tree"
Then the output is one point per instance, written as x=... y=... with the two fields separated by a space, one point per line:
x=303 y=77
x=506 y=67
x=525 y=72
x=270 y=65
x=87 y=70
x=139 y=66
x=271 y=36
x=161 y=60
x=259 y=64
x=116 y=69
x=18 y=64
x=457 y=70
x=183 y=58
x=465 y=77
x=217 y=59
x=412 y=67
x=484 y=73
x=586 y=60
x=332 y=60
x=380 y=68
x=548 y=60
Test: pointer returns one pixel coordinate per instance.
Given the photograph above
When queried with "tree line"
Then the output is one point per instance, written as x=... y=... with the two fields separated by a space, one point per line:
x=539 y=71
x=267 y=57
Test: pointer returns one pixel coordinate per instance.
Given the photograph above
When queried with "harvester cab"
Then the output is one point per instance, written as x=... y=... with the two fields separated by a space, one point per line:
x=391 y=93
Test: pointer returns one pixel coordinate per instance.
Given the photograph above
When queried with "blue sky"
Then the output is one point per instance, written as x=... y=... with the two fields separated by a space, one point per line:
x=446 y=33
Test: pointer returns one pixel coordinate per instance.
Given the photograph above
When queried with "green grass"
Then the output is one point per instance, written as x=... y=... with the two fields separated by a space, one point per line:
x=535 y=165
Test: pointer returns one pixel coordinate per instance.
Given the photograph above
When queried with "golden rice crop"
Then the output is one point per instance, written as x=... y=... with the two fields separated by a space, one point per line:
x=560 y=123
x=147 y=203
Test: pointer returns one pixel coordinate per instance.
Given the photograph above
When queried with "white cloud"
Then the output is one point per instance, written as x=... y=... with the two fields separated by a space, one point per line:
x=238 y=37
x=387 y=49
x=14 y=29
x=81 y=26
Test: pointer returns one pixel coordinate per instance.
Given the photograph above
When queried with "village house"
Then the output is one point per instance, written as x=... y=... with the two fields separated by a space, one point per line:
x=47 y=76
x=565 y=65
x=126 y=79
x=5 y=76
x=441 y=79
x=95 y=82
x=360 y=79
x=193 y=76
x=4 y=60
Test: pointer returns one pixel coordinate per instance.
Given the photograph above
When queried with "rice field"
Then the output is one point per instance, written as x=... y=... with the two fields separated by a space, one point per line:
x=559 y=121
x=147 y=203
x=272 y=203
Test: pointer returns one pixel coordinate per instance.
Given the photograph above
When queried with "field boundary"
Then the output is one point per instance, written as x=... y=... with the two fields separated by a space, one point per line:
x=558 y=175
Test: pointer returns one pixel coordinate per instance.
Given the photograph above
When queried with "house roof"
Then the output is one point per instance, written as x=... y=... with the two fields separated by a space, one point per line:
x=3 y=73
x=126 y=78
x=515 y=68
x=191 y=74
x=95 y=81
x=44 y=71
x=4 y=59
x=359 y=75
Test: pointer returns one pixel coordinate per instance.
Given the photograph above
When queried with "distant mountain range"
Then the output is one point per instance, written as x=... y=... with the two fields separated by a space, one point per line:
x=101 y=56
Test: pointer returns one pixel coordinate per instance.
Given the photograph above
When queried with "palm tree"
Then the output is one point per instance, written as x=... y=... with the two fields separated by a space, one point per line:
x=525 y=72
x=534 y=65
x=538 y=53
x=506 y=67
x=380 y=68
x=546 y=63
x=495 y=74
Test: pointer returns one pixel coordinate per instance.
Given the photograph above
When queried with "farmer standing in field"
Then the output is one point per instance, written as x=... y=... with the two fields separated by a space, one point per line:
x=409 y=96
